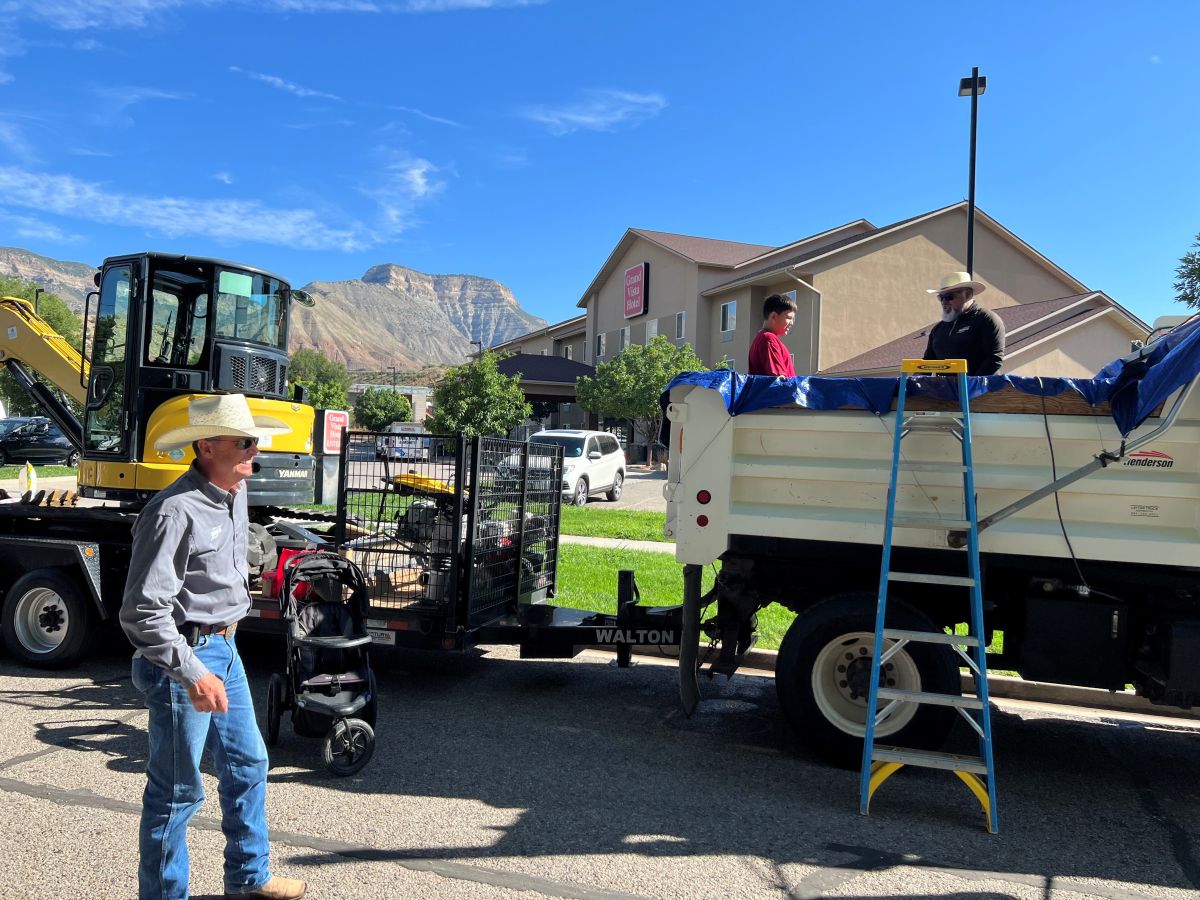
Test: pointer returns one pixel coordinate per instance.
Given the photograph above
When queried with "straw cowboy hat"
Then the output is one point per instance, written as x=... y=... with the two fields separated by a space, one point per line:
x=956 y=281
x=215 y=415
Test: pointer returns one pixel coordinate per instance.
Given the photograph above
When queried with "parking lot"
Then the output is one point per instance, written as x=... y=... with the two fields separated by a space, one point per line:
x=496 y=777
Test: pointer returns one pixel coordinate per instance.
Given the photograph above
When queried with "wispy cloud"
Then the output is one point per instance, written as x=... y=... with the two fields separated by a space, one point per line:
x=115 y=100
x=405 y=182
x=603 y=110
x=284 y=85
x=424 y=115
x=402 y=186
x=223 y=220
x=78 y=15
x=35 y=229
x=223 y=177
x=12 y=140
x=1155 y=59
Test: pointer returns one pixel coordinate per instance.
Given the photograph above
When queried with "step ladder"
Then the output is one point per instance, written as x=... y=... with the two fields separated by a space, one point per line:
x=879 y=762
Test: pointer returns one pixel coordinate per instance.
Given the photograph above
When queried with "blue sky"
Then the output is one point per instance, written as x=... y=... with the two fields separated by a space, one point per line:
x=517 y=140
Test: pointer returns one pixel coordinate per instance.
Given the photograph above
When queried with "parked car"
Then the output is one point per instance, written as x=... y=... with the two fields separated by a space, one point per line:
x=593 y=463
x=35 y=439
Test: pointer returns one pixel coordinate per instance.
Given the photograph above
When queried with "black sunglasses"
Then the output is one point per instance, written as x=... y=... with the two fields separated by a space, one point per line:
x=948 y=296
x=243 y=443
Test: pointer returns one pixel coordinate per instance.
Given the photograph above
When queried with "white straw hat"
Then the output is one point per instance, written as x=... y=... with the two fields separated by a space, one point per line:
x=216 y=415
x=957 y=281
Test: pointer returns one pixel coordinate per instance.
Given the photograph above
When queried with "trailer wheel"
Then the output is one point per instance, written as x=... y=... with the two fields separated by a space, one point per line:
x=823 y=671
x=46 y=620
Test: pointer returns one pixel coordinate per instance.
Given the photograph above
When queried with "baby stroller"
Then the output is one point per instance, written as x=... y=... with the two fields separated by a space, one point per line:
x=329 y=685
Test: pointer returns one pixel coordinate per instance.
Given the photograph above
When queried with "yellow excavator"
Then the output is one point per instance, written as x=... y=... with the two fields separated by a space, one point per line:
x=159 y=329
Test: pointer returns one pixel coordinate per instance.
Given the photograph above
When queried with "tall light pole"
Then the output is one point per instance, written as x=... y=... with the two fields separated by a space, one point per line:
x=393 y=368
x=972 y=87
x=478 y=344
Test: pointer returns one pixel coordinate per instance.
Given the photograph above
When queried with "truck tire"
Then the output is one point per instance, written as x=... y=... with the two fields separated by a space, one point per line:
x=823 y=670
x=47 y=618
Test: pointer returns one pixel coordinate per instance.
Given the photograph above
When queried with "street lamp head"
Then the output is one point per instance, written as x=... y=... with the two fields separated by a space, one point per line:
x=964 y=85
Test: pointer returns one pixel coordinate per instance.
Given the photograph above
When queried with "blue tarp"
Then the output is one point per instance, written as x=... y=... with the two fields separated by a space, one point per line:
x=1134 y=385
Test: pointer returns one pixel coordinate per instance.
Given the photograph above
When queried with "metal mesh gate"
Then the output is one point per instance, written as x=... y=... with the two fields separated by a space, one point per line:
x=514 y=512
x=405 y=514
x=400 y=517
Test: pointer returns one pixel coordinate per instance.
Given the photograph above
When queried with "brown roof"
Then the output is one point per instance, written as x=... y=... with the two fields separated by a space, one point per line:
x=912 y=346
x=706 y=251
x=806 y=255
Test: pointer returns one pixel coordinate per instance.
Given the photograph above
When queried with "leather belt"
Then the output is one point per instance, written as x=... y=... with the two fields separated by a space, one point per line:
x=193 y=631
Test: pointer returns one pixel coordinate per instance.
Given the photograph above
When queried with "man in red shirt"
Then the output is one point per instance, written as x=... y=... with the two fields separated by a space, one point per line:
x=768 y=355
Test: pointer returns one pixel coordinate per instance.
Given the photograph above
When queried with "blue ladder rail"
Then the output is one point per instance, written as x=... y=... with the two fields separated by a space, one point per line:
x=879 y=762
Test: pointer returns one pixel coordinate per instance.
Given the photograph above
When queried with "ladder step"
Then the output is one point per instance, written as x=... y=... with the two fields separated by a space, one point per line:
x=932 y=424
x=932 y=522
x=932 y=467
x=930 y=759
x=920 y=578
x=931 y=637
x=885 y=693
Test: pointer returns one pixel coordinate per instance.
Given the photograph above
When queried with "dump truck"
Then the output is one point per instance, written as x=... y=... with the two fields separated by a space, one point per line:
x=1088 y=493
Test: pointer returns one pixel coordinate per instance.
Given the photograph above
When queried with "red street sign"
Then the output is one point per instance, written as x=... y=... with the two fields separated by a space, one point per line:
x=335 y=421
x=637 y=280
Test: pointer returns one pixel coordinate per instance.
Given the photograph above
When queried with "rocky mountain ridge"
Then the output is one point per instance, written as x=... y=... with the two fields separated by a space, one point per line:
x=392 y=316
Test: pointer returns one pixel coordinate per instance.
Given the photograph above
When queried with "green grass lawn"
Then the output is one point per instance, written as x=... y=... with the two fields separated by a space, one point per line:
x=629 y=524
x=587 y=579
x=10 y=472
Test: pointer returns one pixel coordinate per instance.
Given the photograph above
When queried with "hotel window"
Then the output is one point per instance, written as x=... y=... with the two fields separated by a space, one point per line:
x=651 y=330
x=728 y=316
x=599 y=345
x=624 y=338
x=566 y=351
x=679 y=326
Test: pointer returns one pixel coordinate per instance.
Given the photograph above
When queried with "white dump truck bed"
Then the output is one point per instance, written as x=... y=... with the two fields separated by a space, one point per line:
x=823 y=475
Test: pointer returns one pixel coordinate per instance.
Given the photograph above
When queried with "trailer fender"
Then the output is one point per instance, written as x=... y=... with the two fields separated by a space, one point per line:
x=84 y=554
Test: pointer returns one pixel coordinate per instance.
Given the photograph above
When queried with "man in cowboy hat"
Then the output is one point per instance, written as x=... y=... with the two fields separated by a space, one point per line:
x=186 y=590
x=967 y=330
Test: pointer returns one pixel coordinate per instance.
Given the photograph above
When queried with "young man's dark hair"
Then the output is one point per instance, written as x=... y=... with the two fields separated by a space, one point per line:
x=778 y=303
x=768 y=354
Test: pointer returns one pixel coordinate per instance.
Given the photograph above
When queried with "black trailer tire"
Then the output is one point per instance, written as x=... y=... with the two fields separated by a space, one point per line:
x=349 y=746
x=823 y=671
x=276 y=699
x=47 y=619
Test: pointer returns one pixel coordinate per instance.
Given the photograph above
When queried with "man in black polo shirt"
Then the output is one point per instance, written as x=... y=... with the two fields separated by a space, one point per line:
x=967 y=330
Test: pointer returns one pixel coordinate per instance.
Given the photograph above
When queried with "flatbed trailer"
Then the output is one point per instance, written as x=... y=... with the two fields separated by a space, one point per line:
x=457 y=551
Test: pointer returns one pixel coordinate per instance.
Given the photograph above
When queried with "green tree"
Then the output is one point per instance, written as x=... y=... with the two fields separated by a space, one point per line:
x=629 y=385
x=327 y=381
x=1187 y=288
x=476 y=399
x=59 y=316
x=378 y=407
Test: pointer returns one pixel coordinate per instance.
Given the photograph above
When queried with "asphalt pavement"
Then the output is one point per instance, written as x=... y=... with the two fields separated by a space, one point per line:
x=497 y=777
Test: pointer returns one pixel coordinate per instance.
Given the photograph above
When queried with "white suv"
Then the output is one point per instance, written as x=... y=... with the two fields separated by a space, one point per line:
x=593 y=462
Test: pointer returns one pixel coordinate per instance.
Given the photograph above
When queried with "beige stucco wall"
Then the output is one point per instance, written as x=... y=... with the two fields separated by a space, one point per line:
x=1077 y=353
x=673 y=287
x=872 y=294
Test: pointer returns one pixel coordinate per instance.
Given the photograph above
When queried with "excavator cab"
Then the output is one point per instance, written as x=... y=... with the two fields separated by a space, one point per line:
x=162 y=328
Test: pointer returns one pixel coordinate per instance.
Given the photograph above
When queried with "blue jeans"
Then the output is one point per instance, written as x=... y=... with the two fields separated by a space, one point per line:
x=178 y=736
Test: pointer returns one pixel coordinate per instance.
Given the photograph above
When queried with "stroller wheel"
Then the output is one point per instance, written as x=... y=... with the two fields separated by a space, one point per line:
x=348 y=746
x=276 y=697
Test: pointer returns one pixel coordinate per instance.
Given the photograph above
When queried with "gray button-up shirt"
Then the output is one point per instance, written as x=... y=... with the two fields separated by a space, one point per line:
x=188 y=564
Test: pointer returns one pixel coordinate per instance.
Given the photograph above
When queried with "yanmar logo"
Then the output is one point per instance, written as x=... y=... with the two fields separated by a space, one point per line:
x=1149 y=459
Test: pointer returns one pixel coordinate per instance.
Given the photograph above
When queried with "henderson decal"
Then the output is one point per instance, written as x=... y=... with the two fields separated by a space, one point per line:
x=1148 y=459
